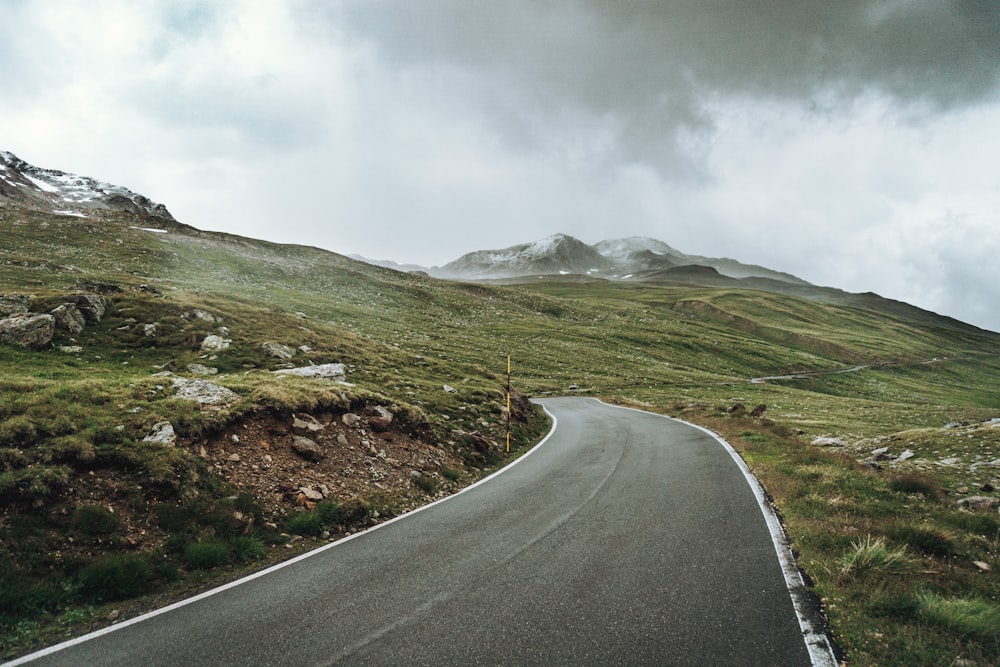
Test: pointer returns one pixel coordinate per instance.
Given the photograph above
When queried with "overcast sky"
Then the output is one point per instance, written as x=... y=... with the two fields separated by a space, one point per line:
x=854 y=144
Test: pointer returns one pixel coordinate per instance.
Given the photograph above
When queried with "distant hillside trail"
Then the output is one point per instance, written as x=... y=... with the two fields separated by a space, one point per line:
x=623 y=538
x=854 y=369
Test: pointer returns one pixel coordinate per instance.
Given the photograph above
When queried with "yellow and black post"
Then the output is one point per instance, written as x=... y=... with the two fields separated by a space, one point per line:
x=508 y=404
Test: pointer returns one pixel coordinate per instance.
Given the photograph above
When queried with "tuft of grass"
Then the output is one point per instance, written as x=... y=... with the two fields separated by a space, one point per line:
x=206 y=554
x=871 y=556
x=968 y=617
x=247 y=548
x=426 y=484
x=115 y=577
x=914 y=484
x=94 y=520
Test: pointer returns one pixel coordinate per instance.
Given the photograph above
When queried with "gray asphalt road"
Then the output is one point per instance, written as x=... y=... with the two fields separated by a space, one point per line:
x=626 y=538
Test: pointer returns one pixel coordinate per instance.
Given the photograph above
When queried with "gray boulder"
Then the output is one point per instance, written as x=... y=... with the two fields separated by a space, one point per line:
x=214 y=343
x=69 y=318
x=32 y=331
x=93 y=306
x=278 y=350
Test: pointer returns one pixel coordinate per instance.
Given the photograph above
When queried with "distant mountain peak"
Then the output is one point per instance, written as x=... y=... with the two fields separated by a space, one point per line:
x=62 y=193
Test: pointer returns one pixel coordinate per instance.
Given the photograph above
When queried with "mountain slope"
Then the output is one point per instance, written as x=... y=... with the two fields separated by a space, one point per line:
x=68 y=194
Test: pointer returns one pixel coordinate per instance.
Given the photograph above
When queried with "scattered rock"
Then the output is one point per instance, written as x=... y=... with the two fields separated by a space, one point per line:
x=881 y=454
x=203 y=392
x=32 y=331
x=963 y=490
x=905 y=456
x=350 y=419
x=162 y=434
x=278 y=350
x=306 y=448
x=986 y=488
x=69 y=318
x=322 y=371
x=450 y=390
x=979 y=503
x=983 y=567
x=70 y=349
x=235 y=458
x=828 y=442
x=214 y=343
x=201 y=369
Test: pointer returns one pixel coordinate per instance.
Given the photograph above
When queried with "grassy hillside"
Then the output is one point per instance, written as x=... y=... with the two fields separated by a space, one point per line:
x=86 y=501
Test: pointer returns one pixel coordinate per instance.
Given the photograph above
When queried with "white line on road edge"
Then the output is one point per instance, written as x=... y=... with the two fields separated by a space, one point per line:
x=817 y=643
x=201 y=596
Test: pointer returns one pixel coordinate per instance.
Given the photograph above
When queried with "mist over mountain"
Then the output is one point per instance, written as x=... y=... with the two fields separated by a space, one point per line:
x=52 y=191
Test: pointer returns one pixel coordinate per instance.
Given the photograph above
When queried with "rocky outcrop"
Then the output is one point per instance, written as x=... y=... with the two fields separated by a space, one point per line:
x=322 y=371
x=31 y=331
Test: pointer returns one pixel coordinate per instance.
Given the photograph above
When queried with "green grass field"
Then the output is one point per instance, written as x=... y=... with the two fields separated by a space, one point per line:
x=898 y=564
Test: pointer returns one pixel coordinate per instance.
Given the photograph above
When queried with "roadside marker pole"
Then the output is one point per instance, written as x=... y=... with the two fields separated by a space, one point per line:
x=508 y=404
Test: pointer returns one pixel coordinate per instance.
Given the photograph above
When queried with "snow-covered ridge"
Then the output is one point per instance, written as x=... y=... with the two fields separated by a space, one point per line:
x=67 y=194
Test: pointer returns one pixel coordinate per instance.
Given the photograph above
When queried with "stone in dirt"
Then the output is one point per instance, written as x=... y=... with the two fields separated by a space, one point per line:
x=203 y=392
x=306 y=448
x=350 y=419
x=162 y=434
x=311 y=494
x=32 y=331
x=382 y=421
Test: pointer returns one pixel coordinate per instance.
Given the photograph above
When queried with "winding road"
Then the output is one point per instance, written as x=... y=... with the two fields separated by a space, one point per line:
x=623 y=538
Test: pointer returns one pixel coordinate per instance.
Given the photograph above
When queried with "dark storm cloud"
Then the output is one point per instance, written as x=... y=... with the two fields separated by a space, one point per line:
x=654 y=65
